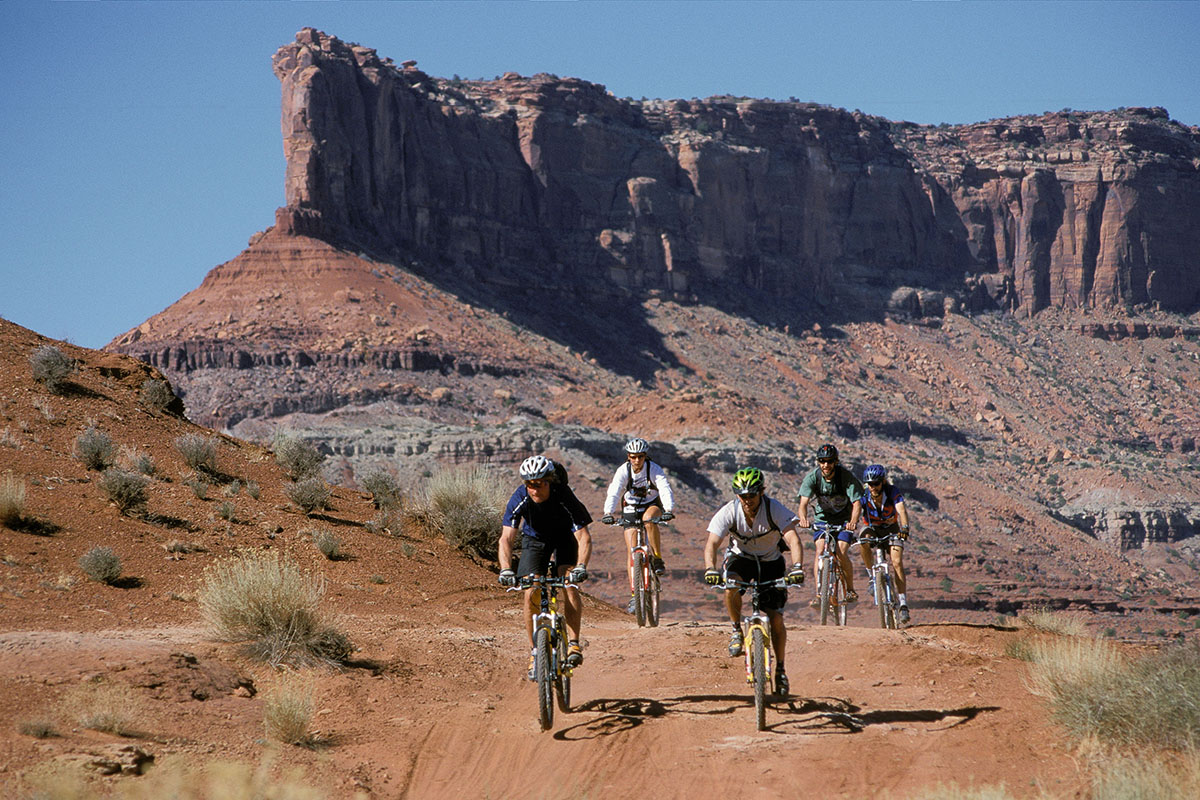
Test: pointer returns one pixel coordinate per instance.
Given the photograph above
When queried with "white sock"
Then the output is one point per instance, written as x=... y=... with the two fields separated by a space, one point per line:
x=904 y=599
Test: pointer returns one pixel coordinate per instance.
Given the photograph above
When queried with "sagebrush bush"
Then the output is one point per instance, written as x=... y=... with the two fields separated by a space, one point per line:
x=464 y=506
x=138 y=460
x=299 y=459
x=157 y=394
x=287 y=713
x=1054 y=622
x=101 y=564
x=253 y=490
x=266 y=602
x=329 y=544
x=385 y=491
x=100 y=706
x=199 y=452
x=199 y=487
x=12 y=500
x=227 y=511
x=95 y=449
x=126 y=489
x=1147 y=777
x=51 y=367
x=37 y=728
x=310 y=495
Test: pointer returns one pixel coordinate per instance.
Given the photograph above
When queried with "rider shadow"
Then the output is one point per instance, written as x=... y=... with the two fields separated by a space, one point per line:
x=833 y=715
x=624 y=714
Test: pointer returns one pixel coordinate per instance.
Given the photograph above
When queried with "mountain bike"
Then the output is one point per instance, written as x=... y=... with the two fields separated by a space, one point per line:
x=882 y=580
x=831 y=582
x=756 y=642
x=646 y=586
x=552 y=673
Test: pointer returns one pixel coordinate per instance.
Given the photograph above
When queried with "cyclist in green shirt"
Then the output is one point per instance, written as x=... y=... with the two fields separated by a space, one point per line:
x=835 y=496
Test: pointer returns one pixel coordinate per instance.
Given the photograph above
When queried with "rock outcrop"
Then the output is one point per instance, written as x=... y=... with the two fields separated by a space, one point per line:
x=559 y=178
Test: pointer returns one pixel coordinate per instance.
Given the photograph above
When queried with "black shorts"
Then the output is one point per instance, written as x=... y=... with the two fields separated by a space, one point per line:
x=879 y=531
x=536 y=554
x=748 y=569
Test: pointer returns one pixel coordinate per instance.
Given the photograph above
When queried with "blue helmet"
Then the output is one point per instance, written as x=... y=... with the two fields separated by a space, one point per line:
x=875 y=472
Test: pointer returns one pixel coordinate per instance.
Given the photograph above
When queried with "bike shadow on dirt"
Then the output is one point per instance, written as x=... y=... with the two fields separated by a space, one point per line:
x=623 y=714
x=834 y=715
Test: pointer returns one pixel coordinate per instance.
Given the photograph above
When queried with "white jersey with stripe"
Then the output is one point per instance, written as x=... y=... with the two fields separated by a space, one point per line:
x=753 y=539
x=650 y=477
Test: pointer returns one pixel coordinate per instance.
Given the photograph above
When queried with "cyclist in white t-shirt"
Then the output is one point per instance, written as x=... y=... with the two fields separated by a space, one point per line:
x=641 y=485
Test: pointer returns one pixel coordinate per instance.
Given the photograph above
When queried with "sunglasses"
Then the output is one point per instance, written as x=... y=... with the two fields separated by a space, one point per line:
x=874 y=483
x=540 y=483
x=636 y=456
x=826 y=460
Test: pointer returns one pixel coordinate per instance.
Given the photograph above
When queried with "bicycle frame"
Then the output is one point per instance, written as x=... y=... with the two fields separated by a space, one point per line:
x=881 y=573
x=644 y=584
x=831 y=583
x=551 y=670
x=756 y=642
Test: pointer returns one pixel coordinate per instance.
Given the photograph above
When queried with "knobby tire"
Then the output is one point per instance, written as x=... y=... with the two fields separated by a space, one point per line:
x=839 y=586
x=892 y=622
x=826 y=592
x=545 y=678
x=639 y=588
x=652 y=600
x=562 y=681
x=881 y=598
x=758 y=668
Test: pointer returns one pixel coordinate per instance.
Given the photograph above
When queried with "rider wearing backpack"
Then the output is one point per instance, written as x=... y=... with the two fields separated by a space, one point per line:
x=640 y=488
x=884 y=513
x=750 y=522
x=836 y=497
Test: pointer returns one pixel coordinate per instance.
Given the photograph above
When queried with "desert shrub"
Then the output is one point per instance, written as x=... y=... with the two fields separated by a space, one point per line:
x=178 y=778
x=1045 y=621
x=138 y=460
x=288 y=711
x=199 y=452
x=199 y=487
x=37 y=728
x=51 y=367
x=12 y=500
x=310 y=494
x=232 y=488
x=100 y=706
x=1094 y=691
x=464 y=506
x=227 y=511
x=299 y=459
x=157 y=394
x=95 y=449
x=101 y=564
x=266 y=602
x=953 y=791
x=253 y=490
x=1146 y=778
x=126 y=489
x=329 y=544
x=385 y=491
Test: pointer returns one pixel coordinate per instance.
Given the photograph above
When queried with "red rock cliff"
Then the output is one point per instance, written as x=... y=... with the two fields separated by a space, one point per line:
x=558 y=176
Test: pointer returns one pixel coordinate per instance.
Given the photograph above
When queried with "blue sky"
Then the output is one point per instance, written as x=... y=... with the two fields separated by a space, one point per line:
x=141 y=144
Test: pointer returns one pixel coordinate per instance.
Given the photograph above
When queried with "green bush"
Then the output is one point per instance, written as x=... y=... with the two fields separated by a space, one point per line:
x=266 y=602
x=157 y=395
x=126 y=489
x=101 y=564
x=139 y=461
x=385 y=491
x=329 y=544
x=464 y=506
x=51 y=368
x=12 y=500
x=310 y=495
x=299 y=459
x=199 y=452
x=95 y=449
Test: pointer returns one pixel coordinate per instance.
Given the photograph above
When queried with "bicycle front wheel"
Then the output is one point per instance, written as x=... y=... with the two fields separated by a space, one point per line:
x=881 y=598
x=562 y=673
x=839 y=595
x=890 y=595
x=826 y=589
x=758 y=668
x=545 y=677
x=652 y=600
x=639 y=587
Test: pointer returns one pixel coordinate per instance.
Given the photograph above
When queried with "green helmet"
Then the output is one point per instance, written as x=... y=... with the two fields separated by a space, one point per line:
x=748 y=480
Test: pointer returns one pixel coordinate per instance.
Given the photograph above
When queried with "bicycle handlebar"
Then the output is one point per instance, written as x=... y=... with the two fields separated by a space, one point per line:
x=535 y=581
x=733 y=583
x=633 y=523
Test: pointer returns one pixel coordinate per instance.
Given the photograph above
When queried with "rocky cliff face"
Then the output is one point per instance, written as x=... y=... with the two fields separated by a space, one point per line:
x=558 y=176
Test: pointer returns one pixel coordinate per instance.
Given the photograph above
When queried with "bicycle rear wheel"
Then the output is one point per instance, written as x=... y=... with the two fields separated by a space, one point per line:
x=826 y=589
x=758 y=668
x=545 y=678
x=639 y=587
x=652 y=600
x=562 y=679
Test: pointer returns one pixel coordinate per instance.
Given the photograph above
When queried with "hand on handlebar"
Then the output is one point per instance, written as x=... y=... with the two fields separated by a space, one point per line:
x=667 y=516
x=712 y=577
x=903 y=534
x=578 y=575
x=795 y=576
x=608 y=519
x=508 y=578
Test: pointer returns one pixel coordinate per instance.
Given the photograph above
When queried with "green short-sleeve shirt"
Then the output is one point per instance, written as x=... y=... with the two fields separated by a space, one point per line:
x=832 y=500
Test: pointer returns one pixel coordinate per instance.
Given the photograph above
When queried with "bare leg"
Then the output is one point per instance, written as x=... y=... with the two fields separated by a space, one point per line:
x=844 y=560
x=778 y=637
x=898 y=567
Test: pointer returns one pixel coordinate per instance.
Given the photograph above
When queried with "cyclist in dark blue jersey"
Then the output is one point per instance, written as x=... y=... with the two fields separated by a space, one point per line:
x=884 y=513
x=551 y=525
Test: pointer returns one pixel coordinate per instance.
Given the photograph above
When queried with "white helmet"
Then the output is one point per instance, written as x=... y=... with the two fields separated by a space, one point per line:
x=637 y=445
x=536 y=467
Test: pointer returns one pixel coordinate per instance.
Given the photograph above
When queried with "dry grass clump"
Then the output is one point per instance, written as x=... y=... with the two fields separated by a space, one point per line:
x=12 y=500
x=157 y=394
x=1146 y=778
x=101 y=564
x=310 y=495
x=102 y=706
x=199 y=452
x=95 y=449
x=266 y=601
x=1043 y=620
x=385 y=491
x=38 y=728
x=126 y=489
x=329 y=544
x=288 y=711
x=952 y=791
x=464 y=506
x=51 y=368
x=299 y=459
x=1097 y=692
x=138 y=461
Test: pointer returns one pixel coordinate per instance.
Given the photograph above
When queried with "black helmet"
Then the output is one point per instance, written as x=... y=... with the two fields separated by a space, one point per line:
x=827 y=451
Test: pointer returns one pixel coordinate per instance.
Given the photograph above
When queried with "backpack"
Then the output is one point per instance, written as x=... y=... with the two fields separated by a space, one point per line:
x=639 y=492
x=560 y=475
x=771 y=526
